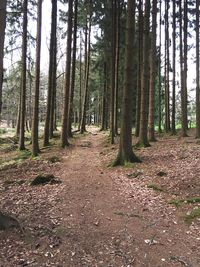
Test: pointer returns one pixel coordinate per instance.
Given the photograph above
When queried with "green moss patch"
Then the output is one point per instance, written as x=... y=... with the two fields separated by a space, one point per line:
x=179 y=202
x=155 y=187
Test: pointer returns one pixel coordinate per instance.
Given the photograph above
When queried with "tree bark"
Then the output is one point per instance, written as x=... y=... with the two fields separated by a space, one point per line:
x=64 y=132
x=197 y=73
x=23 y=83
x=3 y=4
x=35 y=122
x=125 y=153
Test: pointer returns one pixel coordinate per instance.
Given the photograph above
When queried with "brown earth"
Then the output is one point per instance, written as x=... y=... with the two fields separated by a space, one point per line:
x=103 y=216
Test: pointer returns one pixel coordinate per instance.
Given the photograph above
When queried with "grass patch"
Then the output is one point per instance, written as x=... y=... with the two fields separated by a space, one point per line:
x=179 y=202
x=155 y=187
x=54 y=159
x=23 y=155
x=195 y=214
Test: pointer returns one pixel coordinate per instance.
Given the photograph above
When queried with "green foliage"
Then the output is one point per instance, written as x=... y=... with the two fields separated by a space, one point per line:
x=155 y=187
x=179 y=202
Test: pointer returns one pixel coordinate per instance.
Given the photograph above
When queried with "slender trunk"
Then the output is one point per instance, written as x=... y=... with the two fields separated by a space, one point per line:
x=103 y=125
x=3 y=4
x=139 y=71
x=152 y=73
x=80 y=84
x=23 y=83
x=143 y=137
x=35 y=143
x=174 y=71
x=64 y=139
x=197 y=73
x=86 y=92
x=73 y=70
x=160 y=82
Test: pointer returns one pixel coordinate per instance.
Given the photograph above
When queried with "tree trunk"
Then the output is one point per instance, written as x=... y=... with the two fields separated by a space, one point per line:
x=174 y=71
x=64 y=139
x=35 y=143
x=197 y=73
x=125 y=153
x=152 y=73
x=51 y=69
x=70 y=119
x=143 y=136
x=160 y=82
x=87 y=71
x=139 y=71
x=3 y=4
x=23 y=83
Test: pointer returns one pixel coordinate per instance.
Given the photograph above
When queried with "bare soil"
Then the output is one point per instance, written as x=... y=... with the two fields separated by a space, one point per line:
x=104 y=216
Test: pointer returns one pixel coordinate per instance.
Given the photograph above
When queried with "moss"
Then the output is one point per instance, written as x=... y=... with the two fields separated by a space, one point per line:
x=195 y=214
x=155 y=187
x=23 y=155
x=54 y=159
x=179 y=202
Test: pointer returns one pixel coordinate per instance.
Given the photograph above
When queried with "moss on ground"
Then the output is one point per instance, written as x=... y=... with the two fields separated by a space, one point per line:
x=194 y=214
x=179 y=202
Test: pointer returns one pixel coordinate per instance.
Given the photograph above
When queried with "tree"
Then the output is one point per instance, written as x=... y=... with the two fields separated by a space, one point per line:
x=125 y=153
x=197 y=73
x=52 y=75
x=143 y=138
x=152 y=73
x=23 y=82
x=2 y=34
x=35 y=144
x=65 y=116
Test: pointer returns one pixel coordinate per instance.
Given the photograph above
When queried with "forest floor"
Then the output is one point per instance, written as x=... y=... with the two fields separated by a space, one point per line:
x=104 y=216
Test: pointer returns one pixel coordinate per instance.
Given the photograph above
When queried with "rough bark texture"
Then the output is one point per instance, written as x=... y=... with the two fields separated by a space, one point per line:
x=160 y=82
x=64 y=139
x=152 y=73
x=197 y=73
x=143 y=138
x=125 y=149
x=50 y=76
x=35 y=143
x=87 y=71
x=174 y=71
x=2 y=34
x=73 y=70
x=23 y=83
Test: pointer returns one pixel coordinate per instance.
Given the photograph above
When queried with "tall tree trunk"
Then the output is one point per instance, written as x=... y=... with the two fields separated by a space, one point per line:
x=80 y=84
x=50 y=76
x=23 y=83
x=113 y=72
x=3 y=4
x=139 y=70
x=35 y=122
x=143 y=136
x=152 y=73
x=73 y=70
x=167 y=93
x=184 y=88
x=197 y=73
x=52 y=125
x=87 y=71
x=104 y=100
x=174 y=71
x=64 y=138
x=125 y=153
x=160 y=82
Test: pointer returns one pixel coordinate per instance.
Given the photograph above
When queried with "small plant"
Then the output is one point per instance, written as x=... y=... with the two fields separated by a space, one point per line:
x=179 y=202
x=194 y=214
x=155 y=187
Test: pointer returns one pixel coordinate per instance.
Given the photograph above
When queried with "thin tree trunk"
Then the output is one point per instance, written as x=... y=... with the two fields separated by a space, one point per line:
x=35 y=143
x=64 y=139
x=160 y=82
x=23 y=83
x=85 y=99
x=3 y=4
x=80 y=84
x=143 y=136
x=197 y=73
x=152 y=73
x=125 y=153
x=174 y=71
x=73 y=70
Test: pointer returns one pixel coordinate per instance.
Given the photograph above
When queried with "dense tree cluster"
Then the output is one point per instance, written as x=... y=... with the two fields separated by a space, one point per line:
x=127 y=65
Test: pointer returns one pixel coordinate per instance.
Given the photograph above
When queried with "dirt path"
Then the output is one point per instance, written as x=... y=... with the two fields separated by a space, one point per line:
x=106 y=217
